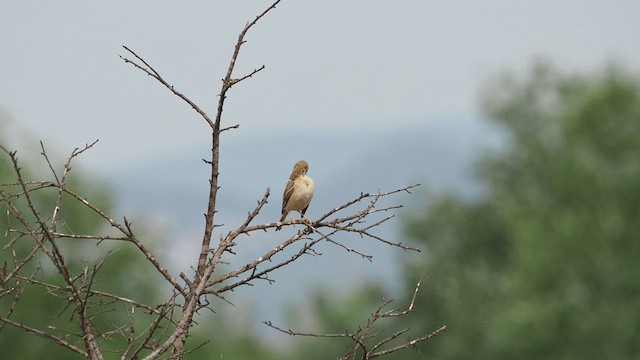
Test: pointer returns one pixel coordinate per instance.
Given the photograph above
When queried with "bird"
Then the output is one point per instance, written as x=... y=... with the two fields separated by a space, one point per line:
x=298 y=192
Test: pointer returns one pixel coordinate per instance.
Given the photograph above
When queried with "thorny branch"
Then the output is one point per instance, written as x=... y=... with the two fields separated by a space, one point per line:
x=161 y=329
x=368 y=340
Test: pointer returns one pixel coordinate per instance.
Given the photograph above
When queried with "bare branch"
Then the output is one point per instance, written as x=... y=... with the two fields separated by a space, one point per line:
x=411 y=343
x=227 y=83
x=45 y=335
x=235 y=81
x=363 y=336
x=236 y=126
x=149 y=70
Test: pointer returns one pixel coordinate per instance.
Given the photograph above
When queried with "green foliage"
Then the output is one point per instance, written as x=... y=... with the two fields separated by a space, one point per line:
x=35 y=306
x=42 y=307
x=328 y=314
x=545 y=264
x=221 y=337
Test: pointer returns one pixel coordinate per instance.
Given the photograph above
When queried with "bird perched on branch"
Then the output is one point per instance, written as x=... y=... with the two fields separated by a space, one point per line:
x=298 y=192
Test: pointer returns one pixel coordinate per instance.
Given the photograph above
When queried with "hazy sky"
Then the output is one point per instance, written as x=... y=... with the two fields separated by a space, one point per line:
x=330 y=65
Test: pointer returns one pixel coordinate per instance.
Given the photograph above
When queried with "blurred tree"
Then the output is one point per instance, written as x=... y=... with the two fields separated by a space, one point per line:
x=331 y=314
x=37 y=307
x=545 y=263
x=41 y=309
x=237 y=339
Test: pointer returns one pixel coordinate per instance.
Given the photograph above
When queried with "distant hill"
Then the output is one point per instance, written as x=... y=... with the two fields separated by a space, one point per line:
x=438 y=155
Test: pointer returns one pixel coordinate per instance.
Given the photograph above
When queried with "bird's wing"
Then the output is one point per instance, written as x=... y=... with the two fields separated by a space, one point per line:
x=288 y=190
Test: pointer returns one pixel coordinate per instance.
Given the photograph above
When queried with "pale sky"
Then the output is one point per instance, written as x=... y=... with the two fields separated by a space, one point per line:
x=330 y=65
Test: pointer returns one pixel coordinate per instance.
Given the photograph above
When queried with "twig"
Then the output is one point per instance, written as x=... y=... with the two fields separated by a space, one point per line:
x=149 y=70
x=58 y=340
x=366 y=332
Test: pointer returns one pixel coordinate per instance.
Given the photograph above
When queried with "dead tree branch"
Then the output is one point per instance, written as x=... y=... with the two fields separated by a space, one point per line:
x=369 y=340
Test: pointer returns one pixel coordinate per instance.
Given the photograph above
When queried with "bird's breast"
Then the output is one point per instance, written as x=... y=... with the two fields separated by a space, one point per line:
x=303 y=189
x=308 y=186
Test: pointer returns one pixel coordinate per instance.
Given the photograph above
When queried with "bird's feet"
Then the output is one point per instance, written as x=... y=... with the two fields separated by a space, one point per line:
x=307 y=221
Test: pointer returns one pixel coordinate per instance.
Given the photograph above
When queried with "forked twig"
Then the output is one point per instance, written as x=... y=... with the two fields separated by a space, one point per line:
x=363 y=336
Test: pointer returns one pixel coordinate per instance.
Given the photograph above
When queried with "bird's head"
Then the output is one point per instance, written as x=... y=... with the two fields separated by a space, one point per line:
x=301 y=167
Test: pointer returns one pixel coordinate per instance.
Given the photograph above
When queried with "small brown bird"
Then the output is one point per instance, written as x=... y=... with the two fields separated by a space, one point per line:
x=298 y=192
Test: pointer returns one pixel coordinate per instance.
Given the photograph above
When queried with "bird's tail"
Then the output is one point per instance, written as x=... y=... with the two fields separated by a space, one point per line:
x=284 y=216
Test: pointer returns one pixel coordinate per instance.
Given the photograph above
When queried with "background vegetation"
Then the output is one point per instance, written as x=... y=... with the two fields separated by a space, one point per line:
x=545 y=263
